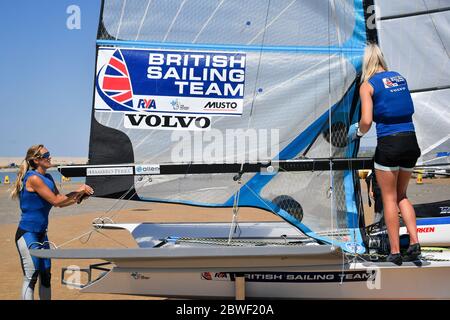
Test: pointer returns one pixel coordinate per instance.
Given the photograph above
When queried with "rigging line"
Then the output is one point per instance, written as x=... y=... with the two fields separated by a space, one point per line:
x=116 y=202
x=341 y=59
x=207 y=21
x=288 y=82
x=143 y=19
x=419 y=13
x=329 y=124
x=271 y=22
x=234 y=221
x=271 y=210
x=173 y=20
x=79 y=237
x=435 y=28
x=123 y=197
x=325 y=124
x=106 y=236
x=258 y=69
x=121 y=18
x=341 y=55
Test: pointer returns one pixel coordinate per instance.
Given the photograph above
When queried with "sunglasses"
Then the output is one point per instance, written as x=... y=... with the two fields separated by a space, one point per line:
x=45 y=155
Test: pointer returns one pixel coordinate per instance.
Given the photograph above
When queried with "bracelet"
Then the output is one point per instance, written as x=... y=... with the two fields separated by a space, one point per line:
x=359 y=133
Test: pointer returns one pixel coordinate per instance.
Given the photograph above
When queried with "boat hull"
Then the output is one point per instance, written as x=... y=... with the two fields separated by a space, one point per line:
x=271 y=272
x=354 y=281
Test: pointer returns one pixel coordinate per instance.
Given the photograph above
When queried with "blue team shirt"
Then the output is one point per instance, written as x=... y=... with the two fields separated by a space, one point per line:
x=392 y=103
x=34 y=208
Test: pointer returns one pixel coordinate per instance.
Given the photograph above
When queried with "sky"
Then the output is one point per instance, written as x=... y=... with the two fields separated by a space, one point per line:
x=48 y=76
x=47 y=84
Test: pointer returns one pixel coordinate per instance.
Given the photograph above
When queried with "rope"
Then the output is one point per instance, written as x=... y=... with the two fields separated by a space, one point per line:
x=234 y=221
x=237 y=243
x=384 y=256
x=116 y=241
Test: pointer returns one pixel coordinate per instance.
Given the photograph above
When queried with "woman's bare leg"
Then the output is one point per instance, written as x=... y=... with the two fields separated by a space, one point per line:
x=406 y=208
x=387 y=180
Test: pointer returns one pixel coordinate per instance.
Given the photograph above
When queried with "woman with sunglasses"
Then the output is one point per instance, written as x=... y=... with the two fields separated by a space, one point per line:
x=38 y=193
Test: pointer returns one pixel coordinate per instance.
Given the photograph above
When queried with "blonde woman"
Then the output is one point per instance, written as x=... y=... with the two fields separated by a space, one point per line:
x=385 y=99
x=37 y=193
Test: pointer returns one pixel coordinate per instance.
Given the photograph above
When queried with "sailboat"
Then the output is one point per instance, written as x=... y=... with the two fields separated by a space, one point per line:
x=182 y=90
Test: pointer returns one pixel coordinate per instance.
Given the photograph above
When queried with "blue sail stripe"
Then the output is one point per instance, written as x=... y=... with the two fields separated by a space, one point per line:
x=180 y=45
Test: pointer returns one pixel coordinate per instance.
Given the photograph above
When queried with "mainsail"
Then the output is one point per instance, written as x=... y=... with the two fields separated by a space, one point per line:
x=228 y=73
x=415 y=38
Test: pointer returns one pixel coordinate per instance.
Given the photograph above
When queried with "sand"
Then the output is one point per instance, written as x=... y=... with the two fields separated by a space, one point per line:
x=56 y=160
x=68 y=223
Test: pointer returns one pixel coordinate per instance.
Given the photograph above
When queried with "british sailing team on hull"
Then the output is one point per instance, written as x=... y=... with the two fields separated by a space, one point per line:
x=37 y=193
x=385 y=99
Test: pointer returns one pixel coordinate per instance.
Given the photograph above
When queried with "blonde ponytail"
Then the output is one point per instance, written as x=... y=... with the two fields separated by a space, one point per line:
x=32 y=153
x=373 y=61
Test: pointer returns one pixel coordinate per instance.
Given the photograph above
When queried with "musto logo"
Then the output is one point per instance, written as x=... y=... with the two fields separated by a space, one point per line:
x=221 y=105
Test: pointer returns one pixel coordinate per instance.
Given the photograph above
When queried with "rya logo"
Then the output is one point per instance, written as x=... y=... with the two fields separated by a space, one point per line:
x=146 y=104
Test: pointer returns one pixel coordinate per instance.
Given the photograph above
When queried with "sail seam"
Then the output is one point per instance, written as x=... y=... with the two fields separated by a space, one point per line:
x=419 y=13
x=180 y=45
x=430 y=89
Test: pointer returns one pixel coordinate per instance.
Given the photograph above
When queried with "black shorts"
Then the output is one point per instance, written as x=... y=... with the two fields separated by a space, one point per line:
x=398 y=151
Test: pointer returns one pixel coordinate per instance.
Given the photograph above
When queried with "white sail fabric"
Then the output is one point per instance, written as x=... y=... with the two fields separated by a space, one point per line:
x=415 y=39
x=302 y=59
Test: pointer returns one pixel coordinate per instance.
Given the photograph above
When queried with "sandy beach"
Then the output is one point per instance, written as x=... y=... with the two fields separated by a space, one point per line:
x=56 y=160
x=68 y=223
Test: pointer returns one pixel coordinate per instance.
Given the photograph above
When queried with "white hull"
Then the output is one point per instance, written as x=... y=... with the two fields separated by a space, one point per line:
x=279 y=272
x=432 y=234
x=406 y=282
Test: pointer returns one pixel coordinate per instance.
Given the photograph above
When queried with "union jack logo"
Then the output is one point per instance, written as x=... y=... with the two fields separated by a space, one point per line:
x=116 y=82
x=392 y=82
